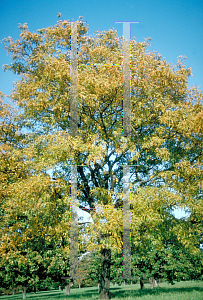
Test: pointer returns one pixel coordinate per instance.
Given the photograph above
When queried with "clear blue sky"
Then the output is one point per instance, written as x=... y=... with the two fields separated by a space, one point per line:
x=175 y=26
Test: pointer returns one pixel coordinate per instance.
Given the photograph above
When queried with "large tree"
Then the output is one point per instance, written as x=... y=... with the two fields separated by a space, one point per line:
x=165 y=145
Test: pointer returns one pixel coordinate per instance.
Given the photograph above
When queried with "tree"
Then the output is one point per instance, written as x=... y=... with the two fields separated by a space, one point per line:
x=89 y=269
x=35 y=229
x=162 y=246
x=34 y=214
x=165 y=146
x=34 y=232
x=11 y=170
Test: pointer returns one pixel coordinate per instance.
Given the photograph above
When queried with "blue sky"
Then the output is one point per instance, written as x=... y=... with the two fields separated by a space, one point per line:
x=175 y=26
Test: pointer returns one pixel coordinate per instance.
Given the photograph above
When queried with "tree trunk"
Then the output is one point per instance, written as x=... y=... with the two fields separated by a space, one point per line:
x=105 y=274
x=79 y=285
x=24 y=292
x=67 y=288
x=13 y=291
x=141 y=284
x=124 y=282
x=155 y=282
x=152 y=282
x=59 y=288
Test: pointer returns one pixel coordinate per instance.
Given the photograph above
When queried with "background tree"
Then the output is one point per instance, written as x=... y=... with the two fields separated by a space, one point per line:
x=34 y=213
x=158 y=238
x=36 y=229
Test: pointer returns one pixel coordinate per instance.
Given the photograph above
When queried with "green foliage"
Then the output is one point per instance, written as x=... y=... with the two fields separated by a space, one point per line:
x=164 y=151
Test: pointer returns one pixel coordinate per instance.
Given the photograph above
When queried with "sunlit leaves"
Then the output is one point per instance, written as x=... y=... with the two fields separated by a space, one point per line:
x=164 y=150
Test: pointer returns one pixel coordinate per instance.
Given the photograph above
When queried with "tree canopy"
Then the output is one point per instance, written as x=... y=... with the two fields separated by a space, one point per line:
x=164 y=150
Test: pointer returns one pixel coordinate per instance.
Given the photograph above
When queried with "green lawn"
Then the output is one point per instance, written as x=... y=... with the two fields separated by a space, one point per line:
x=189 y=290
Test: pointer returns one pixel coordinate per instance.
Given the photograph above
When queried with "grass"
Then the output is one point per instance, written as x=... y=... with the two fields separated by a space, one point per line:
x=188 y=290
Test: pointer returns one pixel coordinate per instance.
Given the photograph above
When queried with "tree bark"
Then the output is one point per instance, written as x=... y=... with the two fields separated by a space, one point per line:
x=13 y=291
x=155 y=282
x=141 y=284
x=152 y=282
x=24 y=292
x=59 y=288
x=105 y=274
x=67 y=288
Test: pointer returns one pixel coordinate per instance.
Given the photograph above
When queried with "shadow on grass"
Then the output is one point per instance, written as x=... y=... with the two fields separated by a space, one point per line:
x=45 y=295
x=115 y=292
x=122 y=292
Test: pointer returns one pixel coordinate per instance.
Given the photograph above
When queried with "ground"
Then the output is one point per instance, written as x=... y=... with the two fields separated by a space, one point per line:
x=188 y=290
